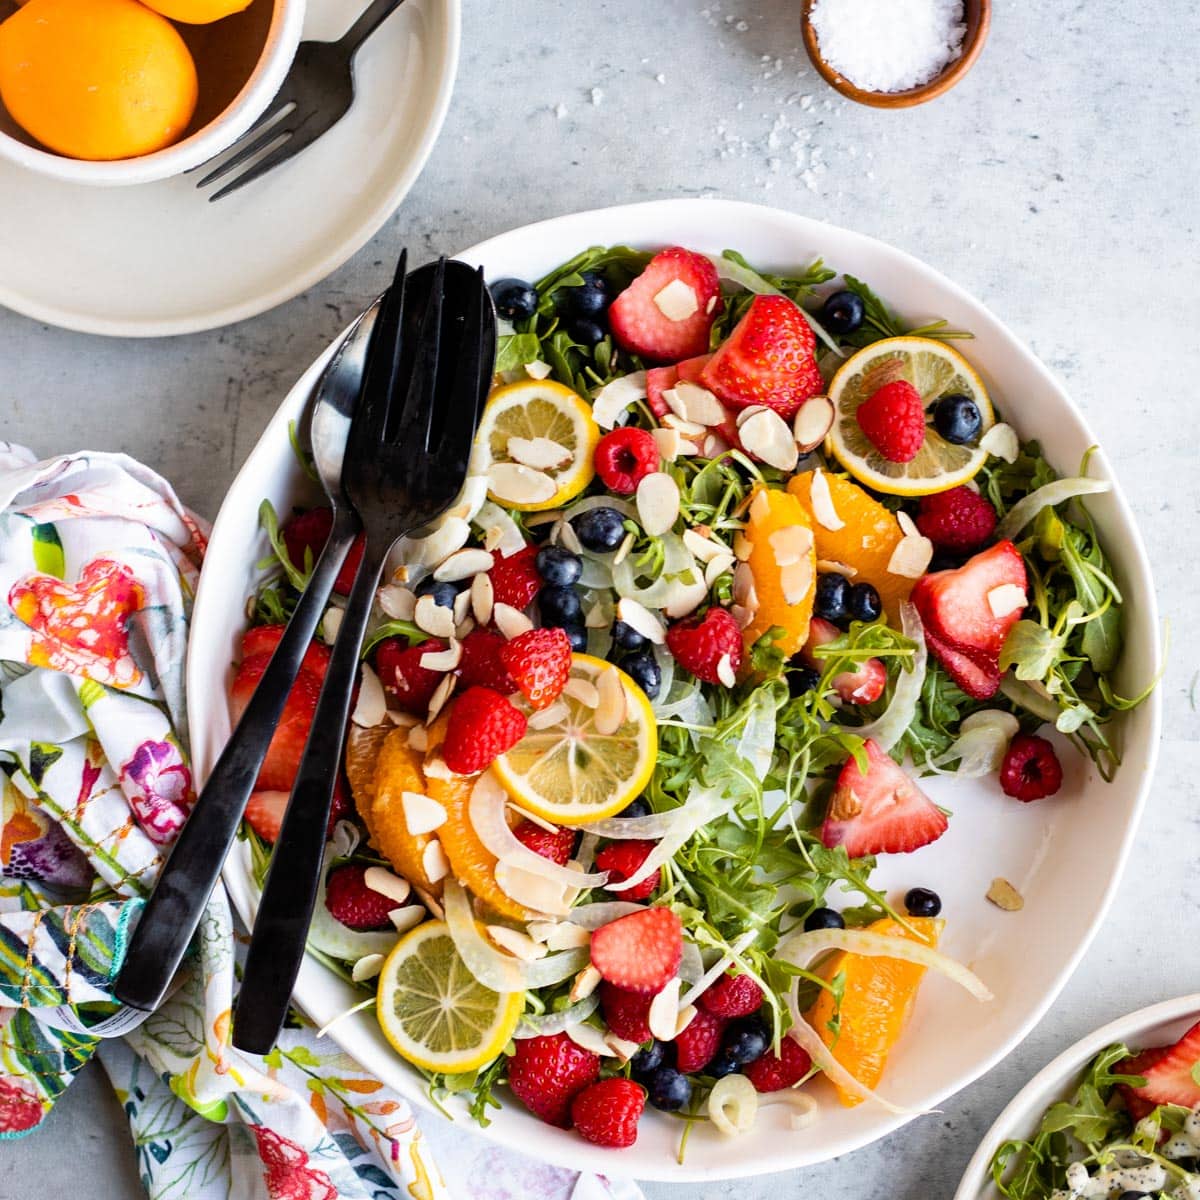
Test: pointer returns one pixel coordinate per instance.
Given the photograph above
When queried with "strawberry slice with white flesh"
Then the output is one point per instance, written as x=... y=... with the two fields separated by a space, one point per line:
x=881 y=812
x=1170 y=1073
x=666 y=313
x=862 y=686
x=662 y=379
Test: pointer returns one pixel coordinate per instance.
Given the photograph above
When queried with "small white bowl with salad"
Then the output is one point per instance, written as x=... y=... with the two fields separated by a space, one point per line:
x=834 y=565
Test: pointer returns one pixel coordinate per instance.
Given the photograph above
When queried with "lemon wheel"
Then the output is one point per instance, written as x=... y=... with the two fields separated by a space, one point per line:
x=935 y=370
x=536 y=409
x=434 y=1011
x=570 y=772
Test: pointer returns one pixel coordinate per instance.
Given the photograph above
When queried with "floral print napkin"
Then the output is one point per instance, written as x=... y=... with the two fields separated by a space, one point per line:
x=98 y=566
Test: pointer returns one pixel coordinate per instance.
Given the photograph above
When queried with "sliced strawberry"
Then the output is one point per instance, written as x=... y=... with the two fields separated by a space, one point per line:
x=881 y=812
x=668 y=310
x=640 y=952
x=555 y=844
x=398 y=666
x=263 y=639
x=480 y=663
x=978 y=679
x=863 y=686
x=515 y=578
x=278 y=771
x=264 y=813
x=305 y=536
x=1170 y=1073
x=662 y=379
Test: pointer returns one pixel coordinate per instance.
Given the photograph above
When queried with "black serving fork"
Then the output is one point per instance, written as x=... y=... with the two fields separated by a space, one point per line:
x=316 y=94
x=405 y=465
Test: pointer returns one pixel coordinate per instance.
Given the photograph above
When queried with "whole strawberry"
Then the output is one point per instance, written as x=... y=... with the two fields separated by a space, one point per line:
x=697 y=1045
x=958 y=520
x=515 y=579
x=398 y=666
x=350 y=901
x=607 y=1113
x=893 y=419
x=305 y=535
x=480 y=664
x=555 y=844
x=621 y=860
x=1030 y=770
x=482 y=726
x=700 y=643
x=627 y=1014
x=773 y=1072
x=732 y=996
x=547 y=1073
x=539 y=662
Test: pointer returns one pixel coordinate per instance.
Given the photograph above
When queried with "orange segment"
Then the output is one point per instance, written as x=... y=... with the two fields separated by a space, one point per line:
x=780 y=601
x=876 y=1004
x=397 y=770
x=197 y=12
x=865 y=542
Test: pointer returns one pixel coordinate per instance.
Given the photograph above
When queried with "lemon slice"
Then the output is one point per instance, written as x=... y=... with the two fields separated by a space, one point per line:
x=935 y=370
x=572 y=773
x=541 y=415
x=434 y=1011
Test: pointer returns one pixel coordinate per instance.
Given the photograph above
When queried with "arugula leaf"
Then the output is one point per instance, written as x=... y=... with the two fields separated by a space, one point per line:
x=880 y=322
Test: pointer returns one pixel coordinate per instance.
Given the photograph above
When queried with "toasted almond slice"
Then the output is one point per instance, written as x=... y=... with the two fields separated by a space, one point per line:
x=435 y=619
x=1003 y=895
x=435 y=768
x=685 y=1016
x=623 y=549
x=716 y=568
x=418 y=738
x=517 y=484
x=640 y=619
x=544 y=718
x=401 y=574
x=705 y=548
x=331 y=622
x=568 y=537
x=387 y=883
x=610 y=401
x=462 y=564
x=547 y=516
x=492 y=537
x=663 y=1013
x=367 y=967
x=432 y=904
x=684 y=595
x=511 y=622
x=790 y=544
x=657 y=502
x=588 y=1037
x=725 y=672
x=482 y=598
x=397 y=602
x=812 y=423
x=530 y=815
x=561 y=935
x=583 y=690
x=677 y=301
x=911 y=557
x=1005 y=599
x=443 y=660
x=766 y=436
x=907 y=524
x=743 y=547
x=744 y=591
x=742 y=615
x=826 y=565
x=434 y=861
x=620 y=1047
x=422 y=814
x=713 y=446
x=403 y=719
x=585 y=983
x=795 y=579
x=822 y=502
x=668 y=441
x=519 y=945
x=464 y=627
x=610 y=711
x=760 y=506
x=681 y=425
x=371 y=708
x=408 y=917
x=749 y=411
x=438 y=700
x=699 y=404
x=1001 y=441
x=537 y=370
x=541 y=453
x=598 y=613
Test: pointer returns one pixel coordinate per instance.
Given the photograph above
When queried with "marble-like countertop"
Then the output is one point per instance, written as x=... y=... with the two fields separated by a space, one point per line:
x=1058 y=183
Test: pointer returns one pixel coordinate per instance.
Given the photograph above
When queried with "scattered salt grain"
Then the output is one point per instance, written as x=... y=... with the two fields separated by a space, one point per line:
x=889 y=45
x=560 y=110
x=597 y=95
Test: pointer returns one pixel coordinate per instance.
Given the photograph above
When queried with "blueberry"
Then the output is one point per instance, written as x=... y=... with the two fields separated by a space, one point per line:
x=956 y=417
x=1134 y=1196
x=802 y=680
x=589 y=299
x=600 y=529
x=636 y=808
x=560 y=606
x=842 y=312
x=921 y=902
x=669 y=1089
x=576 y=635
x=443 y=594
x=585 y=331
x=558 y=566
x=721 y=1066
x=831 y=597
x=647 y=1061
x=745 y=1040
x=644 y=670
x=514 y=298
x=863 y=603
x=626 y=637
x=823 y=918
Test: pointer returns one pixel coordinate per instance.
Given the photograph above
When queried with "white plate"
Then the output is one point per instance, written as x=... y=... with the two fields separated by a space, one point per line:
x=1064 y=854
x=1158 y=1025
x=159 y=259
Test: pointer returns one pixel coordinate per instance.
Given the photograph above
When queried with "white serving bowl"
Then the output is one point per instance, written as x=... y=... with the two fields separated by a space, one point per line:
x=233 y=95
x=1065 y=854
x=1158 y=1025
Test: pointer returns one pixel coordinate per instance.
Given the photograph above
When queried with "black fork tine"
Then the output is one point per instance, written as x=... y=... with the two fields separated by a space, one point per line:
x=474 y=361
x=416 y=416
x=383 y=366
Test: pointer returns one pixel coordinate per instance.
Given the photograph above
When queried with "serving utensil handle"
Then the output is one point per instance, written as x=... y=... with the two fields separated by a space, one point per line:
x=372 y=17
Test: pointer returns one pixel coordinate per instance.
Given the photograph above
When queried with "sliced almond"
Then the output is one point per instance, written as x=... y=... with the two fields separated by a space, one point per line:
x=790 y=544
x=744 y=591
x=548 y=516
x=408 y=917
x=513 y=941
x=766 y=436
x=1006 y=599
x=422 y=814
x=699 y=404
x=680 y=423
x=663 y=1013
x=535 y=892
x=435 y=619
x=1003 y=895
x=434 y=862
x=567 y=537
x=610 y=711
x=620 y=1047
x=401 y=574
x=331 y=622
x=907 y=524
x=911 y=557
x=611 y=401
x=387 y=883
x=796 y=580
x=725 y=671
x=511 y=622
x=435 y=768
x=541 y=453
x=742 y=615
x=492 y=536
x=482 y=598
x=749 y=411
x=717 y=567
x=438 y=700
x=598 y=613
x=560 y=935
x=812 y=423
x=640 y=619
x=443 y=660
x=461 y=610
x=822 y=502
x=685 y=1016
x=703 y=548
x=657 y=503
x=827 y=565
x=760 y=506
x=530 y=815
x=432 y=905
x=588 y=1037
x=668 y=442
x=743 y=547
x=677 y=301
x=546 y=717
x=713 y=446
x=403 y=719
x=684 y=596
x=397 y=602
x=371 y=708
x=1001 y=441
x=516 y=484
x=623 y=549
x=418 y=738
x=538 y=369
x=462 y=564
x=583 y=690
x=584 y=984
x=367 y=967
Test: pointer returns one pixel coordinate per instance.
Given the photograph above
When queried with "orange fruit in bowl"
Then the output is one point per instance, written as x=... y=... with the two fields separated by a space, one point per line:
x=876 y=1004
x=96 y=79
x=197 y=12
x=866 y=540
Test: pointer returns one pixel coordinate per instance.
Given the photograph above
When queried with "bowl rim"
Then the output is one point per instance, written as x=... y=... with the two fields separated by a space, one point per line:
x=1049 y=1082
x=260 y=87
x=668 y=214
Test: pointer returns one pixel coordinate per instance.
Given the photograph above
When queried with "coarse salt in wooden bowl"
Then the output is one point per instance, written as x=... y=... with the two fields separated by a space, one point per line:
x=977 y=16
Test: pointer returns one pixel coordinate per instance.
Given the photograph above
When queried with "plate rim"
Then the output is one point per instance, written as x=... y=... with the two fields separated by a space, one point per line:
x=368 y=226
x=1058 y=1072
x=582 y=1155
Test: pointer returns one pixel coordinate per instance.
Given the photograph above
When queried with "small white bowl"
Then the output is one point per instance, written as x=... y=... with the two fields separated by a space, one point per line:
x=246 y=106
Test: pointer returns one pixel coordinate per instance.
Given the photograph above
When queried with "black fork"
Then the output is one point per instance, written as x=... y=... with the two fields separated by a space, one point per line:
x=406 y=461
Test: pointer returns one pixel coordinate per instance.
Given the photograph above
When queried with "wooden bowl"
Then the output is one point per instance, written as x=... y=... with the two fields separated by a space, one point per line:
x=977 y=15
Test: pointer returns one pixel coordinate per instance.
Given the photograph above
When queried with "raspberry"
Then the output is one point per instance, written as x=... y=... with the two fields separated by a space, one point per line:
x=539 y=661
x=515 y=579
x=305 y=536
x=480 y=664
x=625 y=457
x=732 y=996
x=627 y=1014
x=607 y=1113
x=773 y=1072
x=1031 y=770
x=640 y=952
x=699 y=643
x=350 y=901
x=893 y=418
x=698 y=1044
x=958 y=520
x=621 y=859
x=483 y=725
x=398 y=666
x=557 y=845
x=547 y=1073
